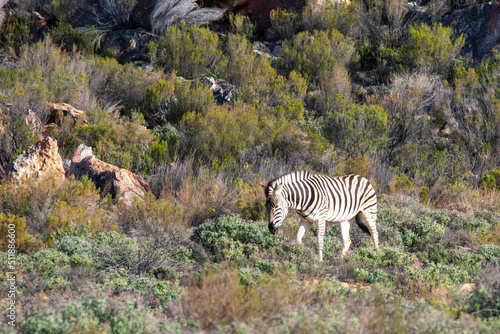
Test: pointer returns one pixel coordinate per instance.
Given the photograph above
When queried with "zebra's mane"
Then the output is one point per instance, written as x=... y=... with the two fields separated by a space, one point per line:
x=287 y=179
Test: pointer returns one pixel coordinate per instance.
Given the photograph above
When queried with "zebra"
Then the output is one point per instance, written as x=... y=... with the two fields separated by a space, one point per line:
x=322 y=199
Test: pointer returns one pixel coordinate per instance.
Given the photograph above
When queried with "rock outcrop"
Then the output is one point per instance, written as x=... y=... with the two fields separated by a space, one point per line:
x=122 y=184
x=42 y=158
x=223 y=91
x=60 y=113
x=480 y=25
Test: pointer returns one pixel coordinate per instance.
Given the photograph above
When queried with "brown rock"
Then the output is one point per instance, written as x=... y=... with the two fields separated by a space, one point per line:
x=122 y=184
x=41 y=158
x=59 y=111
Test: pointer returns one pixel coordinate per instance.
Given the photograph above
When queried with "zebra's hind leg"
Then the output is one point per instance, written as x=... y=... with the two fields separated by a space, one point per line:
x=370 y=218
x=346 y=239
x=303 y=228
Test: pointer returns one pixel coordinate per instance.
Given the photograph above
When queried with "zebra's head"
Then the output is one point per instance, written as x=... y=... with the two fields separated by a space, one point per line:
x=276 y=207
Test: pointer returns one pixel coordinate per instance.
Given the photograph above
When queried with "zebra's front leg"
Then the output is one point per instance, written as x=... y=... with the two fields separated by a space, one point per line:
x=303 y=228
x=346 y=239
x=321 y=236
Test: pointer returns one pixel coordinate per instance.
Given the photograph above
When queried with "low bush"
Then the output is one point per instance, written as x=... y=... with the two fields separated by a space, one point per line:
x=15 y=31
x=231 y=237
x=90 y=314
x=148 y=215
x=121 y=142
x=122 y=86
x=491 y=180
x=48 y=263
x=224 y=131
x=70 y=39
x=225 y=297
x=24 y=241
x=285 y=23
x=190 y=51
x=430 y=48
x=241 y=25
x=330 y=84
x=257 y=82
x=316 y=53
x=330 y=15
x=356 y=128
x=167 y=101
x=33 y=200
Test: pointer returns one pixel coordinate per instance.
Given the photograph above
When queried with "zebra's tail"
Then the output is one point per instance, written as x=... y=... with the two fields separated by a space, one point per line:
x=362 y=224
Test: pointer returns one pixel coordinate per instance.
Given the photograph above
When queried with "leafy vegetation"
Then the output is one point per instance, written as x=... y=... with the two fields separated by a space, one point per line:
x=369 y=87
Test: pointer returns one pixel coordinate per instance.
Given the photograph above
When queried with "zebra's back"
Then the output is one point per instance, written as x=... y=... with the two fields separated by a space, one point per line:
x=344 y=196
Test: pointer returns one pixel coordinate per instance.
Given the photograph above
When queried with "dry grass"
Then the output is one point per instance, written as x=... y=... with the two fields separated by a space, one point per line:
x=220 y=297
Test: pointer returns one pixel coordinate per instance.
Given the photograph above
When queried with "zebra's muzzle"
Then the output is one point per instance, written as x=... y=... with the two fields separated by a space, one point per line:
x=273 y=230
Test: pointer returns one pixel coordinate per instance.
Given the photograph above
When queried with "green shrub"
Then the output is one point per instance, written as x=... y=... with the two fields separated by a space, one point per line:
x=69 y=38
x=163 y=291
x=77 y=248
x=373 y=276
x=316 y=53
x=285 y=23
x=14 y=225
x=120 y=142
x=78 y=205
x=15 y=31
x=424 y=193
x=45 y=73
x=49 y=262
x=491 y=179
x=225 y=132
x=63 y=10
x=491 y=253
x=114 y=251
x=90 y=314
x=330 y=15
x=401 y=183
x=329 y=85
x=191 y=51
x=256 y=81
x=416 y=227
x=120 y=85
x=167 y=101
x=386 y=257
x=231 y=237
x=241 y=25
x=431 y=48
x=302 y=147
x=355 y=127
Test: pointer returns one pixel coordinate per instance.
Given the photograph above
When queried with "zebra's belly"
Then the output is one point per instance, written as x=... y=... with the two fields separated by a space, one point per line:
x=332 y=217
x=338 y=217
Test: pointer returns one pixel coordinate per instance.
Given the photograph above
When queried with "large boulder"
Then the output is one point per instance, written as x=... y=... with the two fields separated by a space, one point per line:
x=122 y=184
x=42 y=158
x=480 y=25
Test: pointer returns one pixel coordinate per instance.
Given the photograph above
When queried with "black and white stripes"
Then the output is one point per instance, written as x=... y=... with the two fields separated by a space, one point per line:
x=321 y=199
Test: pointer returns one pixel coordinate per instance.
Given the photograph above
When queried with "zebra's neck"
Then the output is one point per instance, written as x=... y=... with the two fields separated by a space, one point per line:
x=293 y=198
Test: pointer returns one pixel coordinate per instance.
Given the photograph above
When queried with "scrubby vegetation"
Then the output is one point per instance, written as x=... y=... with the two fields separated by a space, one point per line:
x=356 y=88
